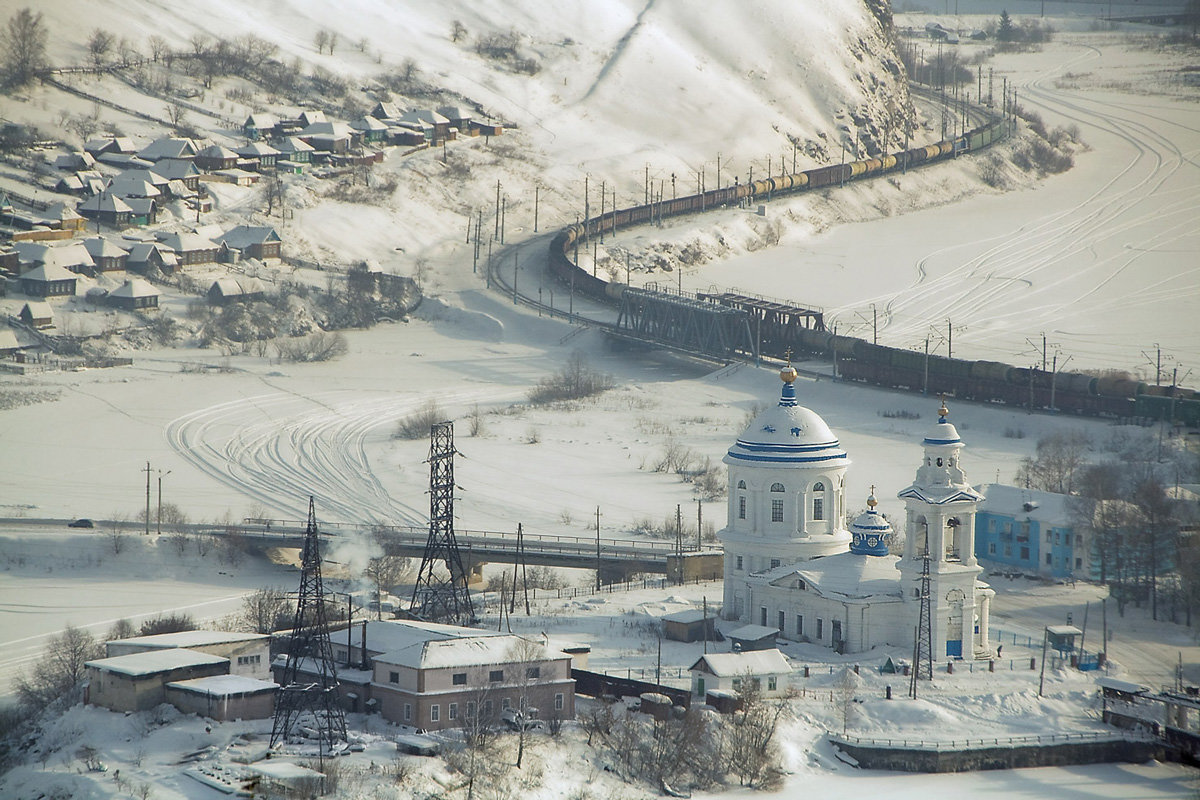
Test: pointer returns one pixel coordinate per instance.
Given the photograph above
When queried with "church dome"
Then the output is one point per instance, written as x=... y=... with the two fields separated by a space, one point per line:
x=942 y=434
x=870 y=533
x=788 y=434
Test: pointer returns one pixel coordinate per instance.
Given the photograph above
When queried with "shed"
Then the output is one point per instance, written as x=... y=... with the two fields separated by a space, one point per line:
x=690 y=625
x=64 y=217
x=8 y=342
x=224 y=697
x=754 y=637
x=37 y=314
x=285 y=779
x=133 y=295
x=231 y=290
x=1062 y=638
x=248 y=653
x=137 y=682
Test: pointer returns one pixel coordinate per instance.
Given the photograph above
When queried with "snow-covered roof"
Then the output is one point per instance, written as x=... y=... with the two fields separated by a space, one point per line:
x=333 y=130
x=753 y=633
x=99 y=247
x=246 y=235
x=185 y=241
x=1048 y=508
x=787 y=435
x=311 y=116
x=134 y=288
x=454 y=112
x=168 y=147
x=1118 y=685
x=225 y=685
x=236 y=287
x=176 y=169
x=153 y=661
x=753 y=662
x=61 y=211
x=216 y=151
x=8 y=340
x=257 y=150
x=38 y=309
x=200 y=638
x=127 y=187
x=468 y=652
x=294 y=144
x=687 y=616
x=261 y=121
x=151 y=176
x=106 y=201
x=423 y=115
x=283 y=770
x=386 y=110
x=852 y=575
x=49 y=272
x=368 y=123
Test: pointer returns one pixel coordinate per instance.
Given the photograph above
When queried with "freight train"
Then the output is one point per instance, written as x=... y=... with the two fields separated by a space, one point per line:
x=856 y=359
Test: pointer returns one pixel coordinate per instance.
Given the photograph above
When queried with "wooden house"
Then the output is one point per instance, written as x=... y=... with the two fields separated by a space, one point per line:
x=143 y=210
x=64 y=217
x=106 y=255
x=106 y=208
x=768 y=669
x=250 y=241
x=144 y=256
x=459 y=117
x=110 y=144
x=8 y=342
x=168 y=147
x=329 y=137
x=311 y=118
x=294 y=153
x=488 y=128
x=371 y=129
x=190 y=248
x=175 y=169
x=260 y=154
x=48 y=280
x=37 y=314
x=427 y=119
x=387 y=111
x=260 y=126
x=75 y=161
x=215 y=158
x=127 y=185
x=134 y=295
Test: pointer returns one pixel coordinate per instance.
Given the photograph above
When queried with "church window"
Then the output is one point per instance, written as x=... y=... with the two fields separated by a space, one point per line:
x=818 y=503
x=799 y=624
x=741 y=508
x=774 y=563
x=739 y=563
x=777 y=487
x=818 y=487
x=939 y=462
x=776 y=511
x=742 y=485
x=820 y=628
x=1047 y=537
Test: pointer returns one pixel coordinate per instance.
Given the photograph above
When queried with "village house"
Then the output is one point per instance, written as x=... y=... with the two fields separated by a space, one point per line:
x=370 y=129
x=146 y=255
x=127 y=185
x=106 y=208
x=64 y=217
x=106 y=255
x=9 y=344
x=48 y=281
x=37 y=314
x=250 y=241
x=311 y=117
x=768 y=669
x=259 y=126
x=174 y=169
x=168 y=147
x=74 y=161
x=134 y=295
x=190 y=248
x=458 y=116
x=110 y=144
x=330 y=137
x=73 y=256
x=258 y=155
x=294 y=153
x=427 y=119
x=215 y=157
x=150 y=176
x=138 y=681
x=387 y=111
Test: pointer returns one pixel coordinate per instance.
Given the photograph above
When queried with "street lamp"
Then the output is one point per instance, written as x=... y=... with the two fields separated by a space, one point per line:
x=161 y=475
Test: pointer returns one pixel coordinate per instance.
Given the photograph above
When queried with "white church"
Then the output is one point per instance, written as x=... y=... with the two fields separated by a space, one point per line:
x=791 y=564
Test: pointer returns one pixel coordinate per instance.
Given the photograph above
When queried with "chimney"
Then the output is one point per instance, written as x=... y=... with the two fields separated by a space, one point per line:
x=365 y=665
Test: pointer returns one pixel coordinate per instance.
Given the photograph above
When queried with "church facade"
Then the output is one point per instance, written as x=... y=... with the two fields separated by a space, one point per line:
x=792 y=563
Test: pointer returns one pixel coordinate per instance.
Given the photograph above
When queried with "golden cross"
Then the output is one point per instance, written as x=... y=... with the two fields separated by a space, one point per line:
x=788 y=355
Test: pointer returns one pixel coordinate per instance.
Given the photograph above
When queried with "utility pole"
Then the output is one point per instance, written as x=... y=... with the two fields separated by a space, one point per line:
x=161 y=475
x=949 y=340
x=147 y=471
x=874 y=325
x=699 y=523
x=597 y=548
x=536 y=197
x=514 y=279
x=496 y=235
x=603 y=200
x=586 y=207
x=1042 y=677
x=503 y=217
x=925 y=383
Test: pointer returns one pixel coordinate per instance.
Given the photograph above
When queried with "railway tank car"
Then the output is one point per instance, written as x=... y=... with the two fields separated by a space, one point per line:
x=856 y=359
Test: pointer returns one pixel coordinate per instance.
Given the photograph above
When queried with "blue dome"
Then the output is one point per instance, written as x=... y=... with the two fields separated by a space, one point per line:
x=871 y=532
x=787 y=434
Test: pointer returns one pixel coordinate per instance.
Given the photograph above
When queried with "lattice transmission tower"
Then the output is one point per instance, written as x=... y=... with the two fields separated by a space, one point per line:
x=923 y=645
x=308 y=693
x=441 y=593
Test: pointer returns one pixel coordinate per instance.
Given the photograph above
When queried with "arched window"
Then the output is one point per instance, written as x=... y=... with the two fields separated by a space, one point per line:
x=777 y=487
x=741 y=484
x=939 y=462
x=776 y=504
x=818 y=503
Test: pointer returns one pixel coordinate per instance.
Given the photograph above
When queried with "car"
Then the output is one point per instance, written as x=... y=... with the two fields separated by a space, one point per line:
x=82 y=522
x=516 y=720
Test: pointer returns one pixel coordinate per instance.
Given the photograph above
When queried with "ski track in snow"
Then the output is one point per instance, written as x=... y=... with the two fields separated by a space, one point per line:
x=1031 y=254
x=279 y=446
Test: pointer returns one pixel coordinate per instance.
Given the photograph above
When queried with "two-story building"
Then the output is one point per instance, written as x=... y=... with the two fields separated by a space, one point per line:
x=1033 y=531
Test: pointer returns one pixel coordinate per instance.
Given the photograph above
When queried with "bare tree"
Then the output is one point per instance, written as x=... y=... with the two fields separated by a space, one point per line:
x=99 y=45
x=121 y=629
x=1059 y=456
x=116 y=534
x=384 y=572
x=60 y=671
x=752 y=749
x=457 y=31
x=158 y=48
x=23 y=46
x=265 y=610
x=333 y=40
x=478 y=760
x=321 y=39
x=177 y=114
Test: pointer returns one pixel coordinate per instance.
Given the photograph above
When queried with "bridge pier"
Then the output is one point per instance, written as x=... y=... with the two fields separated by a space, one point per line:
x=705 y=565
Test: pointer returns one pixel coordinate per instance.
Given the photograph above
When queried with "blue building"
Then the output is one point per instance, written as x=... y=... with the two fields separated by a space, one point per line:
x=1032 y=531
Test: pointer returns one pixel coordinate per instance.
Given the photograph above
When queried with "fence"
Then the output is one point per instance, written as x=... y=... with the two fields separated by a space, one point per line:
x=942 y=746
